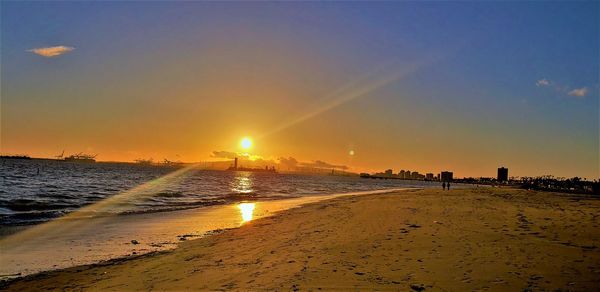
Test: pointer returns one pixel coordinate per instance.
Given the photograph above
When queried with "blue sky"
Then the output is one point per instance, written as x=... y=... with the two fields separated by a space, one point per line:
x=496 y=83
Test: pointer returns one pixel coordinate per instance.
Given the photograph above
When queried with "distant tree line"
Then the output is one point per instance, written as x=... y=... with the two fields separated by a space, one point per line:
x=570 y=185
x=543 y=183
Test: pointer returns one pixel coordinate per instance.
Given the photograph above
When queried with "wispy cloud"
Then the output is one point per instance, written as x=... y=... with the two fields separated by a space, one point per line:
x=50 y=52
x=542 y=82
x=240 y=155
x=289 y=163
x=579 y=92
x=224 y=154
x=561 y=88
x=322 y=164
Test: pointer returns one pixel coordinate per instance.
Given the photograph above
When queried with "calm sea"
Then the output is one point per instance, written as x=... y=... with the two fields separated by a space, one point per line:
x=34 y=191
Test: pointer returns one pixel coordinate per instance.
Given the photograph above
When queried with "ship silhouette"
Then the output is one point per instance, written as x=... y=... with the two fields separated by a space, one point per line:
x=235 y=167
x=81 y=157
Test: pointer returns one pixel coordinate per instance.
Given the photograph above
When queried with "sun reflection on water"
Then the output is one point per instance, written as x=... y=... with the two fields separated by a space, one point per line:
x=242 y=183
x=247 y=210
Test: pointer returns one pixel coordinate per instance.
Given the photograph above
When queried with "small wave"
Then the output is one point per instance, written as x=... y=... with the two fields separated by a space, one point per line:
x=169 y=195
x=26 y=218
x=240 y=196
x=23 y=205
x=6 y=211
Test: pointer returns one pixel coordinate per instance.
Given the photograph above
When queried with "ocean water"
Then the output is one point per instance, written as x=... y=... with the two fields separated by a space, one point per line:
x=34 y=191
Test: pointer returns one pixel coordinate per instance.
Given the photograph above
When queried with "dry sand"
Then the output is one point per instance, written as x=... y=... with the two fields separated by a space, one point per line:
x=480 y=239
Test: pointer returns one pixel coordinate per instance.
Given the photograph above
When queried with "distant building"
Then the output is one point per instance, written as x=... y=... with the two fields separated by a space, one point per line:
x=502 y=174
x=429 y=176
x=401 y=174
x=414 y=175
x=446 y=176
x=389 y=172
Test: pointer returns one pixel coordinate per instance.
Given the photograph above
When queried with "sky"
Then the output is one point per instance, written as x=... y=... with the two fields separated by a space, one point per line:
x=424 y=86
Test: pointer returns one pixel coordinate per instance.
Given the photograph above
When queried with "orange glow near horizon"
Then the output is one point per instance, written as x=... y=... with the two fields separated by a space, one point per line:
x=222 y=85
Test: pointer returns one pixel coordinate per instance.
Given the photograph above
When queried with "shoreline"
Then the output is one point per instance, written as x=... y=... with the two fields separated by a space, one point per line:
x=468 y=239
x=69 y=242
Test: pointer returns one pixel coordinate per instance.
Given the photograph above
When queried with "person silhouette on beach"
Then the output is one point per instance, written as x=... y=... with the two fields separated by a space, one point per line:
x=448 y=185
x=444 y=186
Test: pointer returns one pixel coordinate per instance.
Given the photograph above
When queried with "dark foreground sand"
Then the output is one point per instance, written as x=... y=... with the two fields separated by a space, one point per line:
x=462 y=240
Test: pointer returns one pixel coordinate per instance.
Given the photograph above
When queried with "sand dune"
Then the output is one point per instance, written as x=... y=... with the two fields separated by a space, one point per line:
x=480 y=239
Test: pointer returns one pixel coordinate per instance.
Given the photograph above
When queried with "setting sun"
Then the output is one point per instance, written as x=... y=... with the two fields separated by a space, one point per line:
x=246 y=143
x=296 y=145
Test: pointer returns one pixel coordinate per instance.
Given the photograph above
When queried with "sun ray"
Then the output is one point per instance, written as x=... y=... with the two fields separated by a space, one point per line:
x=103 y=209
x=360 y=87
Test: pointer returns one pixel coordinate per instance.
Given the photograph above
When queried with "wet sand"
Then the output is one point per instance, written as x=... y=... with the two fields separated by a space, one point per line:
x=480 y=239
x=78 y=239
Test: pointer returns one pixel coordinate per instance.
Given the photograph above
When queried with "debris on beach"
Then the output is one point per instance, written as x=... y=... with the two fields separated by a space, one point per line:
x=135 y=241
x=216 y=231
x=186 y=236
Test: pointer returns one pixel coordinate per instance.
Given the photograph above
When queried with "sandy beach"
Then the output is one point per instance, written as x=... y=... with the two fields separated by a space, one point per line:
x=82 y=239
x=461 y=240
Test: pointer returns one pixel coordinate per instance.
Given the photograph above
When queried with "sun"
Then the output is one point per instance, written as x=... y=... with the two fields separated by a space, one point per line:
x=246 y=143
